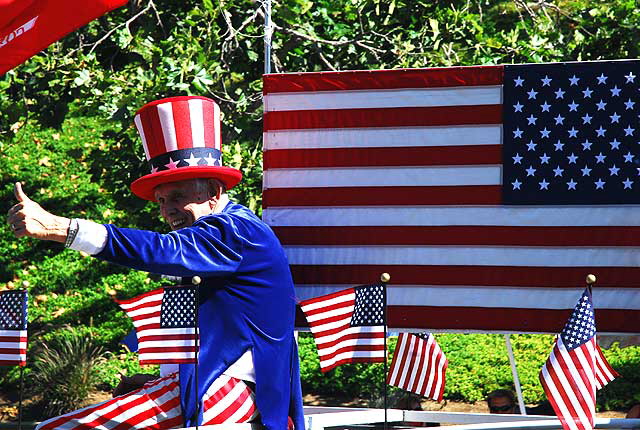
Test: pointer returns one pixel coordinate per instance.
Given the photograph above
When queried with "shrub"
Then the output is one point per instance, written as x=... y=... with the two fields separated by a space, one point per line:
x=64 y=372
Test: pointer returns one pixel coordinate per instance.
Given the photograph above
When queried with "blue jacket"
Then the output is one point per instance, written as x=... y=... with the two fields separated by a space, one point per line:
x=247 y=300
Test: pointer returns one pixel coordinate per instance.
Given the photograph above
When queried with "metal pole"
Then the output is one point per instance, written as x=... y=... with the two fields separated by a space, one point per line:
x=514 y=371
x=267 y=36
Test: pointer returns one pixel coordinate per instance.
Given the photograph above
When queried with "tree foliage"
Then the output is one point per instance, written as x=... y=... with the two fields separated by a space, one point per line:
x=66 y=125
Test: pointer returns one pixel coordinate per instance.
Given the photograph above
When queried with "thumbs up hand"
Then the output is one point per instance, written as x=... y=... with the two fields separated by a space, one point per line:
x=28 y=218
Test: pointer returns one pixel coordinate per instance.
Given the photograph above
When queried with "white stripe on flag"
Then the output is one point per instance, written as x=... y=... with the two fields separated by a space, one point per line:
x=479 y=256
x=449 y=216
x=496 y=296
x=358 y=99
x=394 y=176
x=384 y=137
x=351 y=354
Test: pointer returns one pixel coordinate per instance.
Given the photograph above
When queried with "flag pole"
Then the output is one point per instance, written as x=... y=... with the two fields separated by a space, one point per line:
x=20 y=398
x=196 y=282
x=514 y=372
x=267 y=36
x=384 y=278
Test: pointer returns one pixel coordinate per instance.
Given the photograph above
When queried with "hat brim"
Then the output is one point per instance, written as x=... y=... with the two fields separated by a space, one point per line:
x=144 y=187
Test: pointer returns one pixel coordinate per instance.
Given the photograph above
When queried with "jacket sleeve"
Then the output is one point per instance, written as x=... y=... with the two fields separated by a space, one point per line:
x=212 y=246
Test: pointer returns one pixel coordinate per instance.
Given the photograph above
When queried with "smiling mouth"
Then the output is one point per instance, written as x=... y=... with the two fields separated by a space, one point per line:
x=177 y=224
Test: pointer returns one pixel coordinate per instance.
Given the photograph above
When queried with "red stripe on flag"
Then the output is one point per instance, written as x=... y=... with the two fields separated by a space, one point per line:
x=388 y=156
x=182 y=123
x=149 y=338
x=360 y=335
x=17 y=350
x=383 y=117
x=497 y=319
x=383 y=196
x=136 y=299
x=353 y=360
x=384 y=79
x=16 y=338
x=328 y=297
x=557 y=277
x=459 y=235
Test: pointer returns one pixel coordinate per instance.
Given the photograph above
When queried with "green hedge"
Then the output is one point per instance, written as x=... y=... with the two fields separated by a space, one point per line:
x=478 y=364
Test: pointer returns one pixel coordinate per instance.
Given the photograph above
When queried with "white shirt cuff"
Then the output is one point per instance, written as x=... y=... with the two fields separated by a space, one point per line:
x=91 y=237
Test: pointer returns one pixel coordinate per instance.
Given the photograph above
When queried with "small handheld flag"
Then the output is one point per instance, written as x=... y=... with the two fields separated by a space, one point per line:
x=419 y=365
x=576 y=368
x=13 y=327
x=349 y=325
x=165 y=324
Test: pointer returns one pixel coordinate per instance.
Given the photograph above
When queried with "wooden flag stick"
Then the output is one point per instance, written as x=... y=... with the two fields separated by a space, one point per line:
x=384 y=278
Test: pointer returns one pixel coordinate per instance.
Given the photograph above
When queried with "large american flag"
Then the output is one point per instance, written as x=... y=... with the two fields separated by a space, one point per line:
x=419 y=365
x=576 y=368
x=348 y=326
x=165 y=324
x=13 y=327
x=488 y=193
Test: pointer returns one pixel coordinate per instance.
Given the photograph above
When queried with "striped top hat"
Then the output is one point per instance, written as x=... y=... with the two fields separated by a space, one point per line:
x=181 y=139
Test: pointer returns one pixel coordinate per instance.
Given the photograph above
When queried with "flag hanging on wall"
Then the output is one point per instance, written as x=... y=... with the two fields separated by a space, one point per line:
x=165 y=324
x=29 y=26
x=419 y=365
x=348 y=326
x=486 y=191
x=576 y=368
x=13 y=327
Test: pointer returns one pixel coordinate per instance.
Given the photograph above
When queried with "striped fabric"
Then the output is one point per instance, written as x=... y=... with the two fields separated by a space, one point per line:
x=603 y=370
x=576 y=368
x=164 y=320
x=180 y=132
x=13 y=327
x=419 y=365
x=338 y=339
x=400 y=171
x=157 y=406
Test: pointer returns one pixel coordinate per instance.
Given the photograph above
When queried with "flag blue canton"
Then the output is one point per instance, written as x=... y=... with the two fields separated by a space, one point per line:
x=13 y=310
x=369 y=305
x=178 y=307
x=570 y=133
x=581 y=326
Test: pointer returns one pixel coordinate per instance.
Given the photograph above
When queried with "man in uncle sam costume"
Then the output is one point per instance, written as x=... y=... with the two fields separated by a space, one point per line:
x=247 y=299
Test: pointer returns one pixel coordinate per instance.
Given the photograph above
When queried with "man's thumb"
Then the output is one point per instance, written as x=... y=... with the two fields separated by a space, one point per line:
x=20 y=195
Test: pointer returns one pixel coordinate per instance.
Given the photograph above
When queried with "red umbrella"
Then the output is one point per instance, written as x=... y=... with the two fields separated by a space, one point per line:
x=29 y=26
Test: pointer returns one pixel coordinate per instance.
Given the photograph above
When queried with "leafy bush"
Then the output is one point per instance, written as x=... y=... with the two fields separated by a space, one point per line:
x=478 y=364
x=64 y=372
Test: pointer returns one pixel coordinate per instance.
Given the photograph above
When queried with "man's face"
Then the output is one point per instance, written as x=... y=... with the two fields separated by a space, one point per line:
x=501 y=405
x=182 y=203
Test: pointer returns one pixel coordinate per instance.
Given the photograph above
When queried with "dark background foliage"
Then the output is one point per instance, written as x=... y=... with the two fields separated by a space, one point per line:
x=66 y=132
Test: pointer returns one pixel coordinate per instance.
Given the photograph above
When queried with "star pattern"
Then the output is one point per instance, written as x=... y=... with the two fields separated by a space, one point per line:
x=581 y=326
x=178 y=307
x=580 y=149
x=369 y=306
x=13 y=310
